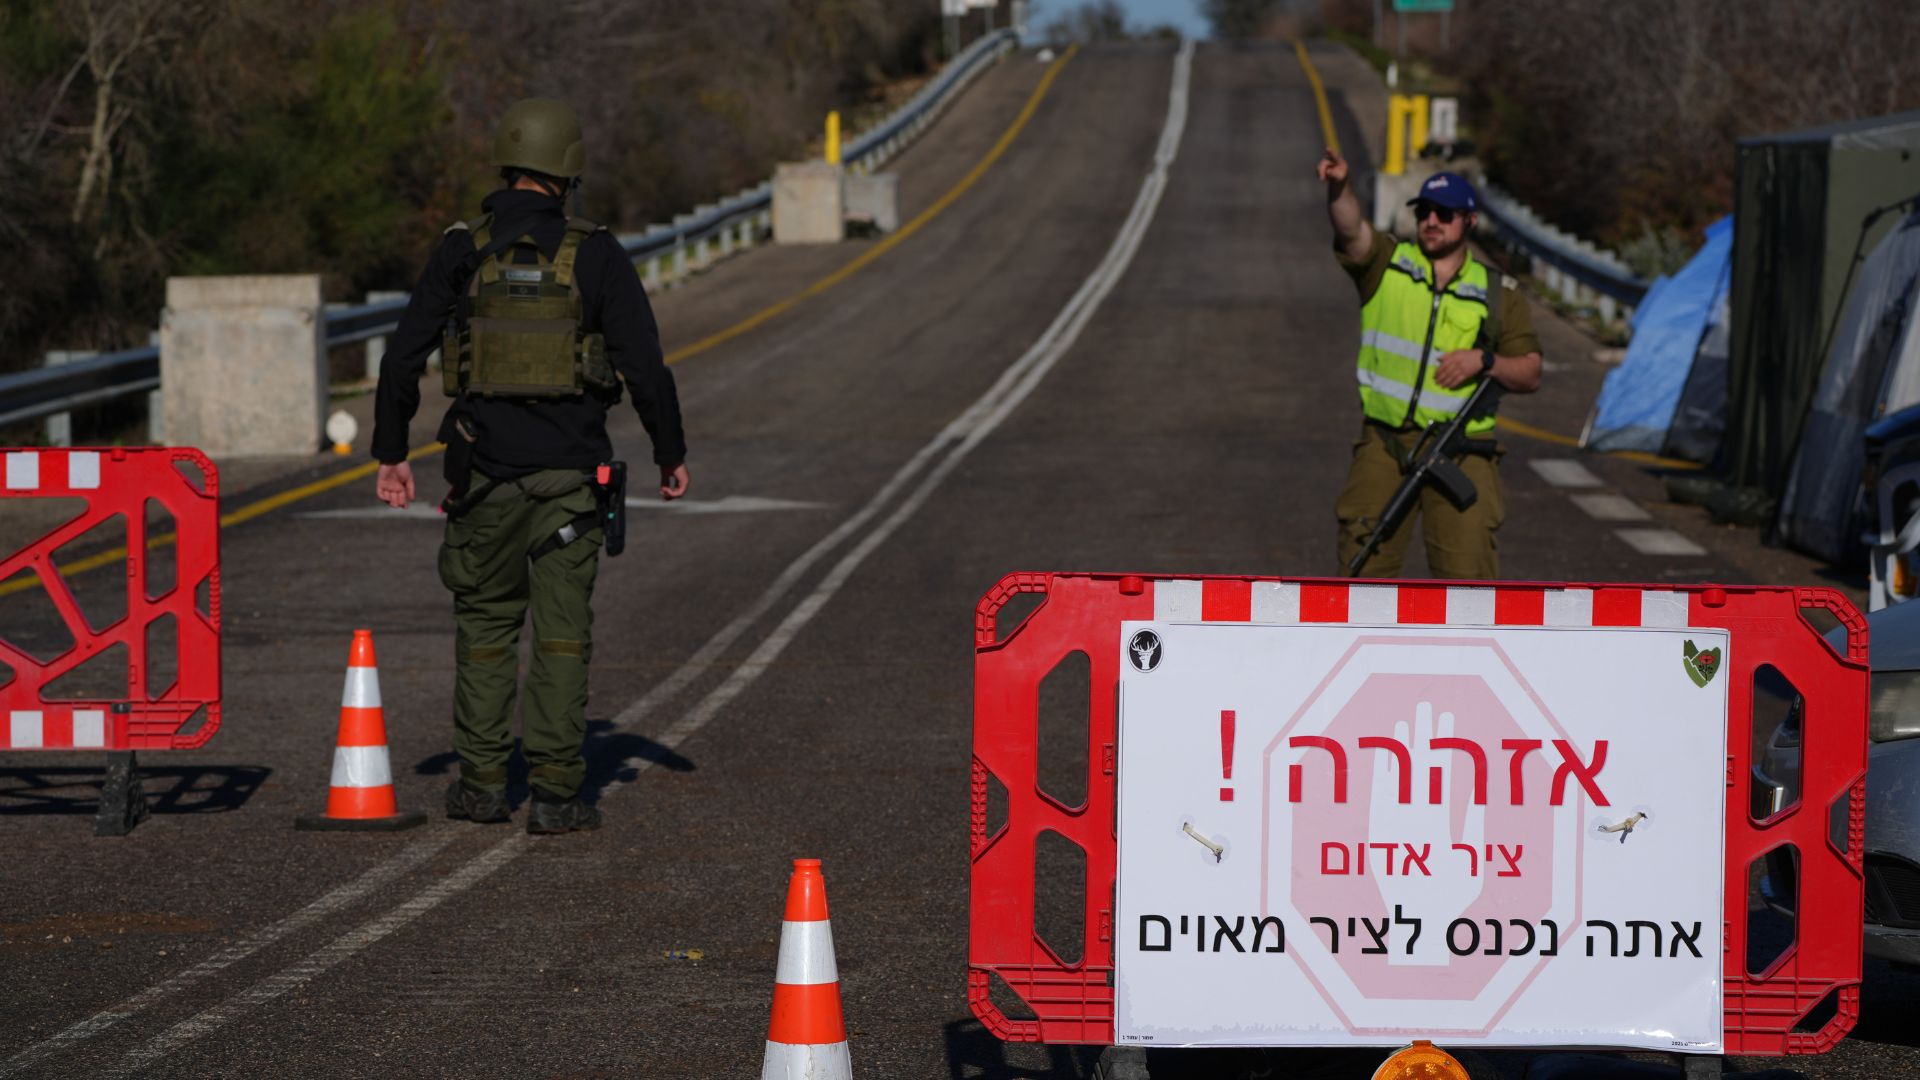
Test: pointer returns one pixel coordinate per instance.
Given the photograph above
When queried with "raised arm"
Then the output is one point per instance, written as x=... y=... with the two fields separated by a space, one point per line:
x=1352 y=233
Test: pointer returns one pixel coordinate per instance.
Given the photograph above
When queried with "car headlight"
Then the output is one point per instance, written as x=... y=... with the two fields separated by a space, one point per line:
x=1895 y=712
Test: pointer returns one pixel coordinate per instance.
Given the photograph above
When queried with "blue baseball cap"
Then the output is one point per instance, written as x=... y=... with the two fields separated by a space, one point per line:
x=1450 y=190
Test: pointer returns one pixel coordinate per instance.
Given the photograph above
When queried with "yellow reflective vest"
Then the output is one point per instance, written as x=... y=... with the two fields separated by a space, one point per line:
x=1406 y=327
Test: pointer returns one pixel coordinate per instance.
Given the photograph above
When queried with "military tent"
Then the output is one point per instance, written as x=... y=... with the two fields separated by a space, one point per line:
x=1638 y=403
x=1873 y=369
x=1802 y=204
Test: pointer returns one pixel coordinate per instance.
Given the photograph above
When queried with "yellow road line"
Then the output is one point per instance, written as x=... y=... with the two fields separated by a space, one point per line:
x=1528 y=431
x=866 y=258
x=234 y=517
x=900 y=235
x=1319 y=96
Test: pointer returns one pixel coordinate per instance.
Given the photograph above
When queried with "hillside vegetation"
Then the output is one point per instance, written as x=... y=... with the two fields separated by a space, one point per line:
x=152 y=137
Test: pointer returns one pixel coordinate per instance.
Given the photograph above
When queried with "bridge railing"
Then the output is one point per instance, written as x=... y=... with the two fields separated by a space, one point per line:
x=664 y=254
x=1580 y=272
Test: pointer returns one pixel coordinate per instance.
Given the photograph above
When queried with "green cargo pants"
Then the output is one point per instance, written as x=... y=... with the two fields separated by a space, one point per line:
x=1460 y=543
x=484 y=563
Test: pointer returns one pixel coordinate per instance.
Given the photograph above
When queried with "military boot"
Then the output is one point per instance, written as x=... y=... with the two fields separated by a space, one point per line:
x=547 y=815
x=479 y=807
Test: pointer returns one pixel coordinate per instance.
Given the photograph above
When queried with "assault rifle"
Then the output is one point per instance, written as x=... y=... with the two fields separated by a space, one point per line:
x=1432 y=462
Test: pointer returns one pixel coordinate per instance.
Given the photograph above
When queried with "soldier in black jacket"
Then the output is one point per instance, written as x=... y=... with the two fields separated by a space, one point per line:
x=542 y=319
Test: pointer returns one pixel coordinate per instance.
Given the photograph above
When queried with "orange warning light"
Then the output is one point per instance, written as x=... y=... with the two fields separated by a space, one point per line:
x=1421 y=1061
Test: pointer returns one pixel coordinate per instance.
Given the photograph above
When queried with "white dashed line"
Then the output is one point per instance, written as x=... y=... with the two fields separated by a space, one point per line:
x=1659 y=542
x=1610 y=507
x=1564 y=473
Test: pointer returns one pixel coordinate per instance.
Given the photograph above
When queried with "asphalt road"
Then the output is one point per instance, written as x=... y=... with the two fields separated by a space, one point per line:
x=784 y=668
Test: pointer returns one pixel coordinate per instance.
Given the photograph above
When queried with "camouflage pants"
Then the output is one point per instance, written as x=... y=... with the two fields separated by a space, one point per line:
x=484 y=562
x=1460 y=543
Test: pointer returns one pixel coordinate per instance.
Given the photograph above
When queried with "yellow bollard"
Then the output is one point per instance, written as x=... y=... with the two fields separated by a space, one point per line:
x=1419 y=108
x=833 y=138
x=1396 y=163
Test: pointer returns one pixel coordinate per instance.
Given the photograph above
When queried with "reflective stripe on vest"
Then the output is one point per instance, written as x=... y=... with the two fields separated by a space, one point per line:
x=1404 y=332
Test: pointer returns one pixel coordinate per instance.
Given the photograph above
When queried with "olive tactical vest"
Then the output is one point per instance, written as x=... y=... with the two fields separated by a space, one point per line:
x=519 y=334
x=1407 y=326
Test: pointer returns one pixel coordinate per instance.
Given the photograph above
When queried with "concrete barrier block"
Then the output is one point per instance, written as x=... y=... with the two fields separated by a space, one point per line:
x=875 y=198
x=243 y=364
x=809 y=203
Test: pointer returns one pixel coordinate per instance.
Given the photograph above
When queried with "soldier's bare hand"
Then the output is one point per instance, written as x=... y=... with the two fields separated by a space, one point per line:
x=395 y=485
x=1457 y=368
x=673 y=482
x=1332 y=169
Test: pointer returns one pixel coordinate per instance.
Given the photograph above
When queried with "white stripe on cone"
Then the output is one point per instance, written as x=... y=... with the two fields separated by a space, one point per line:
x=362 y=690
x=361 y=766
x=815 y=1061
x=806 y=954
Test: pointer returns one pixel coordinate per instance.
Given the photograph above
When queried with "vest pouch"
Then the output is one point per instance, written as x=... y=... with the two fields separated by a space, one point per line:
x=596 y=371
x=454 y=360
x=528 y=358
x=1463 y=318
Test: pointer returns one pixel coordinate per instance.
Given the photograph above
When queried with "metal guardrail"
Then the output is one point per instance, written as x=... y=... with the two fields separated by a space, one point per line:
x=1578 y=260
x=664 y=253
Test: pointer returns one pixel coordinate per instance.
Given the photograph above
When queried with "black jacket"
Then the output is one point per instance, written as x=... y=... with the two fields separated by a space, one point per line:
x=517 y=438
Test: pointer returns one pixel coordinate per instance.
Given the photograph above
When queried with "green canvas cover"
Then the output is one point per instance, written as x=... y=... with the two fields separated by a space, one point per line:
x=1801 y=199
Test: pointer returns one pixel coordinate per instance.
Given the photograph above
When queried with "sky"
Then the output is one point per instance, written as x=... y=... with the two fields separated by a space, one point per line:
x=1184 y=14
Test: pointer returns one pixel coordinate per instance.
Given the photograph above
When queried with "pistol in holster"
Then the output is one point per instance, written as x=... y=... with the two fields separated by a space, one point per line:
x=610 y=498
x=457 y=466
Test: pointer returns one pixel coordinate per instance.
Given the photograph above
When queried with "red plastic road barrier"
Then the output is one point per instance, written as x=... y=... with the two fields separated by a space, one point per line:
x=127 y=483
x=1073 y=1002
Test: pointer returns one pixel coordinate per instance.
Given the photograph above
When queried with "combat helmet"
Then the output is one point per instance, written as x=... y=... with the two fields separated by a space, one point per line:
x=542 y=135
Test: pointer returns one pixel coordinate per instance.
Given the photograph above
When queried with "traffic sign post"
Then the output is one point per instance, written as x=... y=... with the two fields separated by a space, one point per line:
x=1341 y=813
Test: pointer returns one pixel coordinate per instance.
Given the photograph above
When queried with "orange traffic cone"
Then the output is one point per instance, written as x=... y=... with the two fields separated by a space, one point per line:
x=808 y=1037
x=361 y=796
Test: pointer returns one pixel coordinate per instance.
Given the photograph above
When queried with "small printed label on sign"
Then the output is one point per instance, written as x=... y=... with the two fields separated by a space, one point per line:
x=1348 y=835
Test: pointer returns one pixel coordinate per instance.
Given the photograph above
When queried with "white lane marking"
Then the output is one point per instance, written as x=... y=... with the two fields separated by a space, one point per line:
x=323 y=960
x=1610 y=507
x=1564 y=472
x=340 y=897
x=1659 y=542
x=1044 y=354
x=728 y=504
x=979 y=421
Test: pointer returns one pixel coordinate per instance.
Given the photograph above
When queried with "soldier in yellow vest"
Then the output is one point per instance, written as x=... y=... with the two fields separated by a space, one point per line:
x=1434 y=321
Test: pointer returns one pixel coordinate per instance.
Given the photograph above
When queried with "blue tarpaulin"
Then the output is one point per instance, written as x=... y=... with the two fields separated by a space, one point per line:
x=1637 y=404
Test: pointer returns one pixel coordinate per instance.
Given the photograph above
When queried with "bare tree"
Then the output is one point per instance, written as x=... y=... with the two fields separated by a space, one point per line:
x=121 y=39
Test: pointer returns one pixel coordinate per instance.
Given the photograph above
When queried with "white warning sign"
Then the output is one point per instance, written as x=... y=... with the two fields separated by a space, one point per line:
x=1351 y=835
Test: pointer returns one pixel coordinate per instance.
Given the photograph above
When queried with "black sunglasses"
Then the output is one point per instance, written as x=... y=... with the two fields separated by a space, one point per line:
x=1445 y=214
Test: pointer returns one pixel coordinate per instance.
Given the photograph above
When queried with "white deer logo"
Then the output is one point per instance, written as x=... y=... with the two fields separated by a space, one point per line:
x=1146 y=650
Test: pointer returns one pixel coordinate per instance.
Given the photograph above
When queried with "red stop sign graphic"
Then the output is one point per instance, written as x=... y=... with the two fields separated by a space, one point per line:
x=1407 y=809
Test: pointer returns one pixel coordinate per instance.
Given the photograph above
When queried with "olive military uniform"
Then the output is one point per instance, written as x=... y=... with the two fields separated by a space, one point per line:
x=533 y=462
x=1404 y=334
